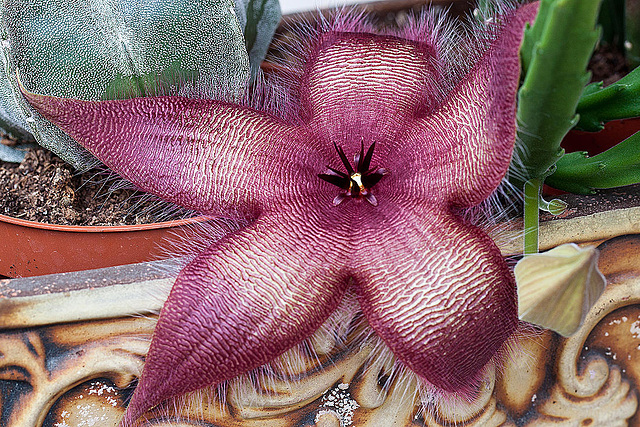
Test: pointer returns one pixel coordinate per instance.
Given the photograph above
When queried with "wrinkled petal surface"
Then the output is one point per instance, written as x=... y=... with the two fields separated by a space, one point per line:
x=438 y=292
x=465 y=146
x=244 y=301
x=204 y=155
x=368 y=85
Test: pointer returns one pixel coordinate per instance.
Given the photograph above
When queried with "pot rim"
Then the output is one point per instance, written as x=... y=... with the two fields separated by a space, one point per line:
x=103 y=228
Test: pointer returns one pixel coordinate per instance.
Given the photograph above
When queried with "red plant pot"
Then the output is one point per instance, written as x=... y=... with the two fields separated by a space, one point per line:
x=596 y=142
x=31 y=248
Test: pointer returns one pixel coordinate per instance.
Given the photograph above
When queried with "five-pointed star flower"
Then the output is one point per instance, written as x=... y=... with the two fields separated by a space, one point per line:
x=434 y=287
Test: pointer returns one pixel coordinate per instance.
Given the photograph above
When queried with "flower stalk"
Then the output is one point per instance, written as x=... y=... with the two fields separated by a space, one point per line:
x=531 y=218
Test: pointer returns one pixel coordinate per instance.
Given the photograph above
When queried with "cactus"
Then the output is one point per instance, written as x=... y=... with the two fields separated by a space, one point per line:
x=559 y=47
x=90 y=50
x=599 y=105
x=258 y=19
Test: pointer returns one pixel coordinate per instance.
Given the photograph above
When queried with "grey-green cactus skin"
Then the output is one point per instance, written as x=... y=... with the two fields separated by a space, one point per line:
x=12 y=121
x=92 y=49
x=258 y=19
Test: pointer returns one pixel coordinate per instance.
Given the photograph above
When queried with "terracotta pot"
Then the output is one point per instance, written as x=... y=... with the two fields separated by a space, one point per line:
x=597 y=142
x=31 y=248
x=72 y=346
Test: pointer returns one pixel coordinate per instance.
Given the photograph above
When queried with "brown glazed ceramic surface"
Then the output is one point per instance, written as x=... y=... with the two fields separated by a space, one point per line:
x=72 y=345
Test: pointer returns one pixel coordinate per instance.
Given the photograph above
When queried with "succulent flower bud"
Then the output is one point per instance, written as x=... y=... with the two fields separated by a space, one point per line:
x=557 y=288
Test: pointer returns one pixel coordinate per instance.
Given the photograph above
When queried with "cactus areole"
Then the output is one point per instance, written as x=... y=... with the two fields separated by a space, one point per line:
x=426 y=144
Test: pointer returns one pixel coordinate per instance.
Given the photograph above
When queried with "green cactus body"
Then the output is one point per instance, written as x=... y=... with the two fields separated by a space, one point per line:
x=90 y=49
x=599 y=105
x=556 y=52
x=616 y=167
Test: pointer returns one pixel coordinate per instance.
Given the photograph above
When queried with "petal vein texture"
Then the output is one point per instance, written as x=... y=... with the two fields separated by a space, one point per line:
x=433 y=286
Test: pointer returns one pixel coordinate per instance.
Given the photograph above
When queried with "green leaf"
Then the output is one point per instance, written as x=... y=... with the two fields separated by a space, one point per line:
x=618 y=166
x=612 y=17
x=632 y=32
x=259 y=20
x=557 y=288
x=599 y=105
x=559 y=47
x=87 y=48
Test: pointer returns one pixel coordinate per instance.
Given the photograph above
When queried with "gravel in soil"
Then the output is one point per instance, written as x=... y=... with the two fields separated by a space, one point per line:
x=44 y=188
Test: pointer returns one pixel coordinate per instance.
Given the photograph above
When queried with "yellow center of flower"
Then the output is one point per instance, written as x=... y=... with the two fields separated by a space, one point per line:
x=356 y=179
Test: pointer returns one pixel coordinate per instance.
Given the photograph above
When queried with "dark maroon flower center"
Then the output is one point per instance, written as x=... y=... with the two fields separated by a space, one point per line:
x=358 y=181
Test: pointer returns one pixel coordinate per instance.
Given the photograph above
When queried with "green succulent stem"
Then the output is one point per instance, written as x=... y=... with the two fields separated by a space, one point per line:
x=616 y=167
x=612 y=20
x=556 y=51
x=599 y=105
x=531 y=218
x=532 y=35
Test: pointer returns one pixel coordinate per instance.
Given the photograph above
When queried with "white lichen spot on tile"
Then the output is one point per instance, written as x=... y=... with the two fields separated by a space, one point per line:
x=635 y=329
x=110 y=393
x=92 y=404
x=623 y=319
x=338 y=401
x=63 y=415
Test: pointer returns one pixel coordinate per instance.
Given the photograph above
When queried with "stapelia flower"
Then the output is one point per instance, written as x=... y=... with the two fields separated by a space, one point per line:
x=434 y=287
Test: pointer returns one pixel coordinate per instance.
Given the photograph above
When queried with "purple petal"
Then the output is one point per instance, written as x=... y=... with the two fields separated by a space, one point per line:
x=244 y=301
x=466 y=145
x=366 y=85
x=201 y=154
x=437 y=291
